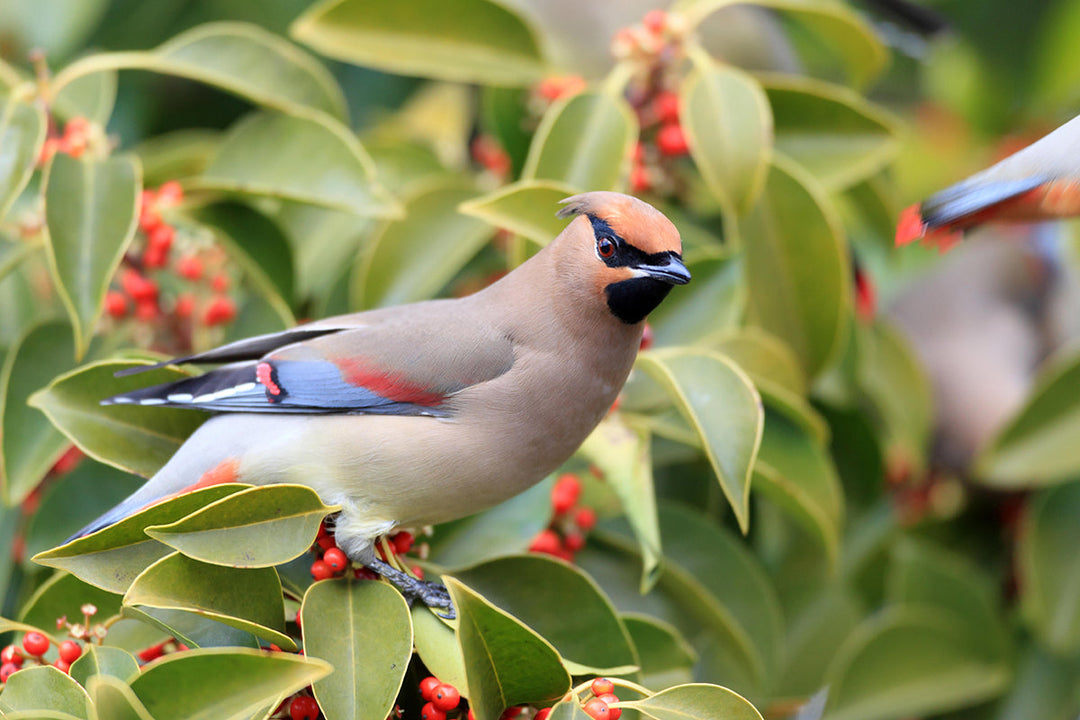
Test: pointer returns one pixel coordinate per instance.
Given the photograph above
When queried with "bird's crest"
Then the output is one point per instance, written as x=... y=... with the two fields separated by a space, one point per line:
x=636 y=221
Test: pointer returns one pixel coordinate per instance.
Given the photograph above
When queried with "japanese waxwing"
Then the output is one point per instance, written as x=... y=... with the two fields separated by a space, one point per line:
x=1040 y=182
x=422 y=413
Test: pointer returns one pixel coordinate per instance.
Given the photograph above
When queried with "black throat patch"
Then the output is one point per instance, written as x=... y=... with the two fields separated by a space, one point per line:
x=632 y=300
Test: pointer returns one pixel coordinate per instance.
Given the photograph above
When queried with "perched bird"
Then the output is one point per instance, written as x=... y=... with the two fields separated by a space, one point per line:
x=423 y=413
x=1040 y=182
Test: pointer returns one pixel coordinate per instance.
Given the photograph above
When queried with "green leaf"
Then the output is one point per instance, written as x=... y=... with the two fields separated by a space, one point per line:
x=247 y=599
x=815 y=630
x=729 y=128
x=210 y=684
x=506 y=663
x=324 y=245
x=526 y=207
x=795 y=471
x=63 y=595
x=259 y=246
x=111 y=558
x=1049 y=570
x=240 y=58
x=90 y=96
x=91 y=209
x=12 y=253
x=765 y=358
x=583 y=141
x=104 y=660
x=254 y=528
x=623 y=456
x=414 y=258
x=22 y=132
x=1044 y=688
x=840 y=29
x=473 y=41
x=713 y=308
x=724 y=409
x=1038 y=445
x=364 y=630
x=134 y=438
x=907 y=661
x=666 y=656
x=437 y=646
x=321 y=164
x=176 y=154
x=195 y=631
x=831 y=131
x=29 y=442
x=113 y=699
x=698 y=701
x=798 y=267
x=44 y=688
x=536 y=589
x=7 y=626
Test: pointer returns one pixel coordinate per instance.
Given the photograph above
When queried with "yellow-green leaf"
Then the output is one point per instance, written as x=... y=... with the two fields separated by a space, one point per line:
x=526 y=207
x=696 y=701
x=22 y=132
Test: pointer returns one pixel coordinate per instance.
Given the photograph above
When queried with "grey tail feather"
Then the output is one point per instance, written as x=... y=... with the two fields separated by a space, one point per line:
x=118 y=513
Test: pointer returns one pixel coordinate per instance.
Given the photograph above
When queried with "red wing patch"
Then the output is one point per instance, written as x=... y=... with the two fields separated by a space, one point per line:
x=264 y=373
x=392 y=386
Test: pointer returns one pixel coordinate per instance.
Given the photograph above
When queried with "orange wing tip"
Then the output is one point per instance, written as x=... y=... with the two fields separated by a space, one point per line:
x=910 y=227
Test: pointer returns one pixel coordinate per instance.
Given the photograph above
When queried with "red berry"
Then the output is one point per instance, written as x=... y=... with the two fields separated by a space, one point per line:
x=77 y=126
x=62 y=665
x=598 y=709
x=149 y=216
x=430 y=712
x=610 y=699
x=428 y=685
x=70 y=651
x=161 y=237
x=36 y=644
x=510 y=713
x=671 y=140
x=602 y=686
x=574 y=542
x=585 y=519
x=446 y=697
x=403 y=542
x=220 y=311
x=546 y=542
x=363 y=573
x=116 y=304
x=146 y=310
x=638 y=153
x=154 y=257
x=152 y=653
x=646 y=337
x=48 y=149
x=138 y=287
x=190 y=267
x=321 y=571
x=542 y=714
x=6 y=670
x=336 y=559
x=219 y=283
x=655 y=21
x=170 y=193
x=303 y=707
x=185 y=305
x=11 y=654
x=325 y=543
x=666 y=107
x=418 y=572
x=565 y=493
x=640 y=180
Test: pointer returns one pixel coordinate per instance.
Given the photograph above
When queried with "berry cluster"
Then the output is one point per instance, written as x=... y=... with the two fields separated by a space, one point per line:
x=34 y=647
x=332 y=561
x=441 y=697
x=79 y=135
x=565 y=535
x=599 y=706
x=160 y=649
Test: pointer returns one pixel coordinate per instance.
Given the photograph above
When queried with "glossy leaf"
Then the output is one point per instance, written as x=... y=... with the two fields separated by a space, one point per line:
x=414 y=258
x=104 y=660
x=766 y=359
x=130 y=437
x=324 y=244
x=90 y=96
x=322 y=164
x=798 y=267
x=364 y=630
x=583 y=141
x=1038 y=445
x=247 y=599
x=113 y=699
x=729 y=127
x=226 y=682
x=831 y=131
x=666 y=656
x=29 y=442
x=22 y=131
x=437 y=646
x=713 y=309
x=1049 y=570
x=63 y=595
x=474 y=41
x=724 y=409
x=907 y=662
x=240 y=58
x=254 y=528
x=195 y=631
x=526 y=207
x=622 y=454
x=90 y=213
x=506 y=663
x=111 y=558
x=698 y=701
x=532 y=588
x=815 y=630
x=44 y=688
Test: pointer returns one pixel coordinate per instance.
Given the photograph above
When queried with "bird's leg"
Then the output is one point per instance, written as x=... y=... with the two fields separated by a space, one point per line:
x=432 y=594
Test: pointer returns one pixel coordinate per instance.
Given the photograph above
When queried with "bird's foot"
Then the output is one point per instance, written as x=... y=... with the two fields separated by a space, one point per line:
x=433 y=594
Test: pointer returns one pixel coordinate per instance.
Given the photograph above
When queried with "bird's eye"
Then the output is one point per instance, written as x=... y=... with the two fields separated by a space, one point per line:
x=605 y=247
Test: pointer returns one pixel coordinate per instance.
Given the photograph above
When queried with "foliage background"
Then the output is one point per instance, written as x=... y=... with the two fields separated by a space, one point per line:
x=769 y=477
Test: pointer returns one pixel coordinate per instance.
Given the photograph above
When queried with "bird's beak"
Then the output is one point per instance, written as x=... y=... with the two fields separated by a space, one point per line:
x=671 y=270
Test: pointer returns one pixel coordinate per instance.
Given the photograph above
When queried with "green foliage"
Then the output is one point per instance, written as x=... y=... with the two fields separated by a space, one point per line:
x=755 y=540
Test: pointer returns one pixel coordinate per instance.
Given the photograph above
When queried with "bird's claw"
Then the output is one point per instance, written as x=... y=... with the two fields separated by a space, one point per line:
x=432 y=594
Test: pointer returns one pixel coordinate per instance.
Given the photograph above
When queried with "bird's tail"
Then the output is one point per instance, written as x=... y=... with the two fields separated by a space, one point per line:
x=133 y=503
